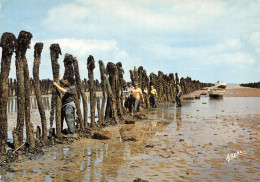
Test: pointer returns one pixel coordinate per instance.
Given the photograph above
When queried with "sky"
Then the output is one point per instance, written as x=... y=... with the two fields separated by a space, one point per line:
x=207 y=40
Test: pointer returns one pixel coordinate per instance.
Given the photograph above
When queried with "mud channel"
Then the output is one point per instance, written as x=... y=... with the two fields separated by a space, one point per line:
x=190 y=143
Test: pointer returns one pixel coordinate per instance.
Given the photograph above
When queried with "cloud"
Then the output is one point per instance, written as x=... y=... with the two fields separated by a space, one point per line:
x=229 y=58
x=81 y=47
x=164 y=15
x=255 y=39
x=106 y=50
x=229 y=45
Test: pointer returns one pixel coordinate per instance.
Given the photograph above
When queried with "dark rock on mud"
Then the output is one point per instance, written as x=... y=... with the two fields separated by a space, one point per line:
x=102 y=135
x=130 y=132
x=140 y=180
x=130 y=121
x=149 y=146
x=140 y=116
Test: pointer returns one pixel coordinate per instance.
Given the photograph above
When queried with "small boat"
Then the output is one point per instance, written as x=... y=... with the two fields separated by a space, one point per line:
x=216 y=92
x=220 y=84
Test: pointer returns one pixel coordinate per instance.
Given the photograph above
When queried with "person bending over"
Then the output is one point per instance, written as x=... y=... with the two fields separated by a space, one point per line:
x=68 y=105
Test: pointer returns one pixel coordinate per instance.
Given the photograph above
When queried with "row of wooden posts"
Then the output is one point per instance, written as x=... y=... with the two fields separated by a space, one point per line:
x=45 y=86
x=251 y=85
x=110 y=111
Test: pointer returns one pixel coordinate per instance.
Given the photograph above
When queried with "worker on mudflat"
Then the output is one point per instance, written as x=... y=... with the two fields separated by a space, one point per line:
x=68 y=105
x=137 y=94
x=146 y=96
x=153 y=97
x=129 y=99
x=178 y=96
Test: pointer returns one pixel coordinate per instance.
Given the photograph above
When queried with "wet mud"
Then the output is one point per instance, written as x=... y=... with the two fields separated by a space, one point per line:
x=190 y=143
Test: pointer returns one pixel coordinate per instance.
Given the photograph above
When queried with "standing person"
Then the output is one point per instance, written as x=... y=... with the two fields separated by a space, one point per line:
x=129 y=97
x=145 y=90
x=153 y=97
x=146 y=97
x=68 y=105
x=137 y=94
x=178 y=96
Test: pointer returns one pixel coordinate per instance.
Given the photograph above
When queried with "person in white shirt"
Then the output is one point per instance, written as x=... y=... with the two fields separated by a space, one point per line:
x=137 y=95
x=153 y=97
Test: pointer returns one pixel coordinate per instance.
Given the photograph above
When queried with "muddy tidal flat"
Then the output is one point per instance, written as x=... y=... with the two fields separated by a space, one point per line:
x=204 y=140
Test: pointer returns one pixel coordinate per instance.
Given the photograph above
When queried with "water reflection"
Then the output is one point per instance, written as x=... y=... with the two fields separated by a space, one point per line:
x=178 y=119
x=12 y=103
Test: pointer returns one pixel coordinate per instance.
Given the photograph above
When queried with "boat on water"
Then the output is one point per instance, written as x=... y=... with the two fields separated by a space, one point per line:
x=218 y=90
x=220 y=84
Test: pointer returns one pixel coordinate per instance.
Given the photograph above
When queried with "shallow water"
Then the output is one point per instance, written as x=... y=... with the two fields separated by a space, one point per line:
x=35 y=115
x=185 y=144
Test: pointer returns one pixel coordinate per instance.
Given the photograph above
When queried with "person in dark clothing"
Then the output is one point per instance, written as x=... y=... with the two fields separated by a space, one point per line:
x=68 y=105
x=178 y=96
x=129 y=99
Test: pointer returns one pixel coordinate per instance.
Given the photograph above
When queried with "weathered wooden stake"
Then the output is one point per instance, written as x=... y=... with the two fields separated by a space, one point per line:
x=38 y=133
x=111 y=109
x=8 y=43
x=104 y=89
x=119 y=89
x=112 y=101
x=15 y=139
x=82 y=93
x=69 y=71
x=24 y=40
x=37 y=60
x=91 y=67
x=55 y=51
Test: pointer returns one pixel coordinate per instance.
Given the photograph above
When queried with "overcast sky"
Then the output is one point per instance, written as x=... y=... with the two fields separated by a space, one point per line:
x=208 y=40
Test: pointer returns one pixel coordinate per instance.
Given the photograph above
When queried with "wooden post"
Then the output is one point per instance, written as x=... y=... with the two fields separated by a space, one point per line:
x=38 y=133
x=37 y=60
x=91 y=67
x=147 y=84
x=55 y=51
x=104 y=89
x=120 y=83
x=112 y=100
x=15 y=139
x=140 y=77
x=111 y=70
x=7 y=43
x=176 y=79
x=82 y=93
x=98 y=104
x=24 y=40
x=20 y=54
x=69 y=71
